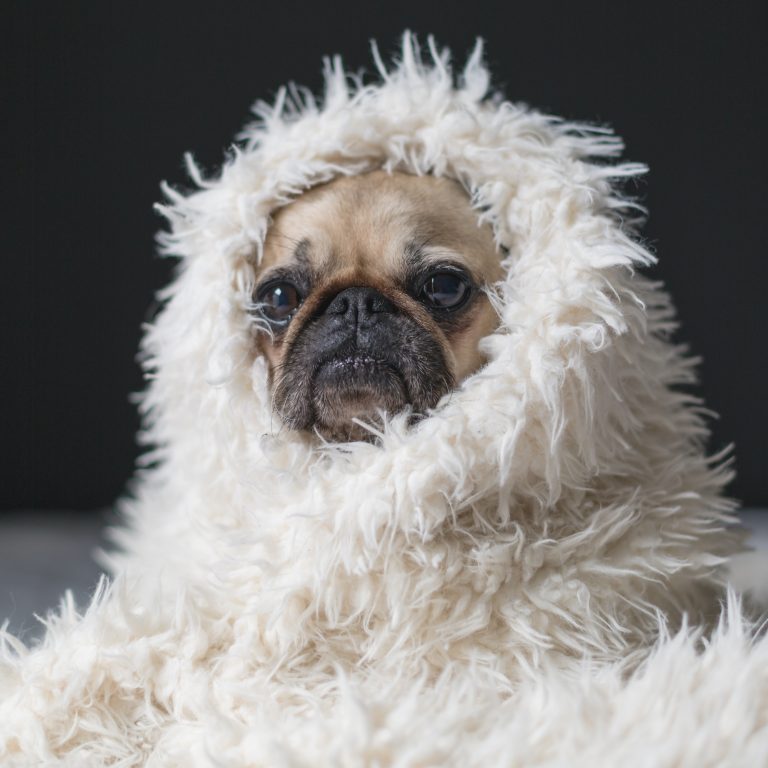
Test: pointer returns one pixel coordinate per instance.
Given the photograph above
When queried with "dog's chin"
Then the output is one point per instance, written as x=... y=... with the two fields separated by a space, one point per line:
x=352 y=389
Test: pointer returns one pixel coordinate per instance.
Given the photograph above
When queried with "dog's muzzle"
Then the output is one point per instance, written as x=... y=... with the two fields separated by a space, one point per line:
x=357 y=355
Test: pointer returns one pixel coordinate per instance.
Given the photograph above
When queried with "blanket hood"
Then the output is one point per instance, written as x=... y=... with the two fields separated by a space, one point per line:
x=470 y=590
x=560 y=499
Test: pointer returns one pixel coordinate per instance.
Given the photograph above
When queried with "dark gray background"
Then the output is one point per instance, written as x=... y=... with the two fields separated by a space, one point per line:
x=105 y=97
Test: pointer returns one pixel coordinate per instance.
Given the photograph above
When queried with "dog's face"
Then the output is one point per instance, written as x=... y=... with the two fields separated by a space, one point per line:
x=371 y=290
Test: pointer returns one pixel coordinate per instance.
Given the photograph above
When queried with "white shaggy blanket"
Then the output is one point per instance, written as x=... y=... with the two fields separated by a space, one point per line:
x=531 y=576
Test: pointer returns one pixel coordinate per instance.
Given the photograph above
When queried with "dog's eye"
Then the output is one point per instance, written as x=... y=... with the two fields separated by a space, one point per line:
x=445 y=290
x=279 y=301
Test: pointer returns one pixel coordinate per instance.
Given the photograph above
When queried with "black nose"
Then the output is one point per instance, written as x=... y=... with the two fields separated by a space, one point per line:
x=359 y=303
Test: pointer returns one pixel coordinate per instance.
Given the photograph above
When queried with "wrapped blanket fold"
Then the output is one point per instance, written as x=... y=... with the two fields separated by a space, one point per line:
x=533 y=575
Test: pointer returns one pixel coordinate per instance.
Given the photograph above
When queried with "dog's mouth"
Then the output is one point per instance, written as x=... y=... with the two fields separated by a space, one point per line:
x=356 y=363
x=356 y=385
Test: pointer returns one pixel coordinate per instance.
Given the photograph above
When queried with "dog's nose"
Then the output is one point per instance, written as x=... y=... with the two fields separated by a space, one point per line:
x=359 y=303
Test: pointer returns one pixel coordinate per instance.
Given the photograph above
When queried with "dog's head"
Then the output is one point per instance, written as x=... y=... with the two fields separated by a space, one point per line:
x=371 y=293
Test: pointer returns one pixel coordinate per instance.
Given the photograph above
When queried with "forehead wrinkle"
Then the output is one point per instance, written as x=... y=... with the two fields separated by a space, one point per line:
x=380 y=222
x=417 y=250
x=279 y=247
x=292 y=259
x=301 y=252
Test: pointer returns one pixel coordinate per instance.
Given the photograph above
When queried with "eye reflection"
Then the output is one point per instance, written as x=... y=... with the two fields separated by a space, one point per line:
x=279 y=300
x=445 y=290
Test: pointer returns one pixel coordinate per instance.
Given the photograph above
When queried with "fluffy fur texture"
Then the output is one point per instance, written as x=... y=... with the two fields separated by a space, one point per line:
x=512 y=581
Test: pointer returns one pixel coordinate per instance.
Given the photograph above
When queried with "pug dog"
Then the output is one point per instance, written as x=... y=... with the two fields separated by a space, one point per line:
x=372 y=291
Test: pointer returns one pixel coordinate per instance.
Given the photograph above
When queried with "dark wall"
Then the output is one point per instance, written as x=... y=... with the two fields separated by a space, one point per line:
x=106 y=97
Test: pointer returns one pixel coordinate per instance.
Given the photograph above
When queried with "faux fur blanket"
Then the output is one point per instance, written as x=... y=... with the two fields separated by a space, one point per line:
x=532 y=575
